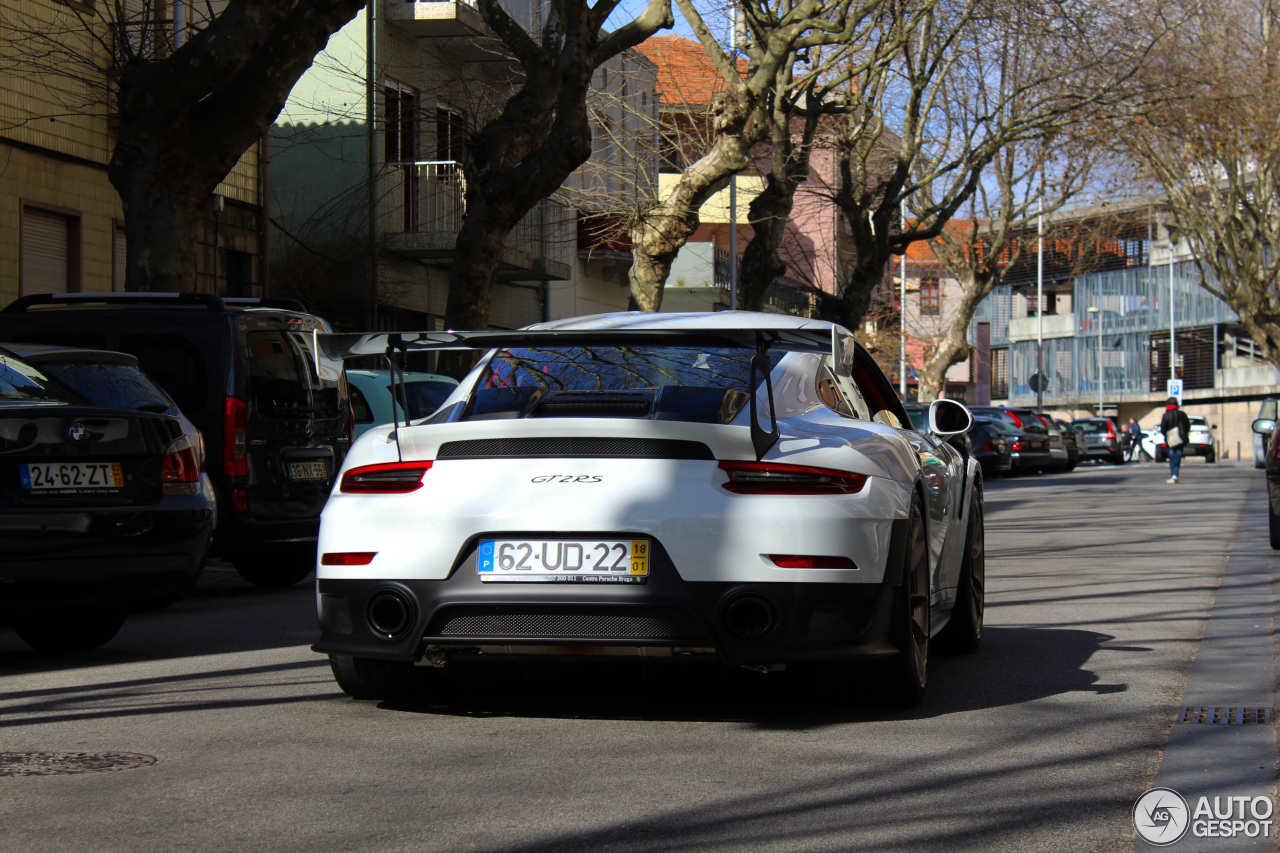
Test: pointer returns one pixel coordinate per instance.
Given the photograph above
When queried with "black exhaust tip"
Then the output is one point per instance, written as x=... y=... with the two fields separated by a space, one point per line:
x=390 y=614
x=750 y=616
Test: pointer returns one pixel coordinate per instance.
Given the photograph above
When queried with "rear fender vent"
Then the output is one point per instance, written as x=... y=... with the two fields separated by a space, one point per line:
x=575 y=448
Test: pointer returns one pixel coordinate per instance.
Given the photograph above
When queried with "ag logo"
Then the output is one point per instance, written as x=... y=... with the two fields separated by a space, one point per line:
x=1161 y=817
x=77 y=432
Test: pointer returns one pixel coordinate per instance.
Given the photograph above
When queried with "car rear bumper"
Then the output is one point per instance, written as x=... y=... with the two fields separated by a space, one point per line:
x=1023 y=461
x=743 y=623
x=125 y=555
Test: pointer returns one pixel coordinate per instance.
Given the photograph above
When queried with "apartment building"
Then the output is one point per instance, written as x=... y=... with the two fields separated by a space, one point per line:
x=62 y=220
x=1116 y=294
x=379 y=145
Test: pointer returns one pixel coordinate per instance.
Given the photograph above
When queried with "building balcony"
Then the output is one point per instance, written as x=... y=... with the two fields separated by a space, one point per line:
x=432 y=195
x=436 y=18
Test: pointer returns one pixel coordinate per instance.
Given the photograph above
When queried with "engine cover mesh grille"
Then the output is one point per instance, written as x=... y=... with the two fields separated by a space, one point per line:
x=663 y=624
x=575 y=448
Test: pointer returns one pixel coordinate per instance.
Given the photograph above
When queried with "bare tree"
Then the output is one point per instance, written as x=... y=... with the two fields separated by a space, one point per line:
x=936 y=107
x=777 y=31
x=185 y=113
x=1214 y=148
x=542 y=134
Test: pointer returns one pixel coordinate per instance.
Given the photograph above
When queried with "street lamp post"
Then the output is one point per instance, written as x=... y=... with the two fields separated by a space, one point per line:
x=1097 y=319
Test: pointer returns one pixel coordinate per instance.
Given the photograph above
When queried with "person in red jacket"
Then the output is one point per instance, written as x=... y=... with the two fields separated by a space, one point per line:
x=1177 y=432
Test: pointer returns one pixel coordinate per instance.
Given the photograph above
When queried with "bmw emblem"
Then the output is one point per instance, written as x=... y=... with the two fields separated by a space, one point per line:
x=77 y=432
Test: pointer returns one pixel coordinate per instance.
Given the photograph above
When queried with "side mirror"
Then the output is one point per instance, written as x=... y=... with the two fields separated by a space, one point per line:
x=1264 y=426
x=948 y=418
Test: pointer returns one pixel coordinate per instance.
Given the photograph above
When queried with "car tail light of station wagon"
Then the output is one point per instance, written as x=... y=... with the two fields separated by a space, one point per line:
x=800 y=561
x=386 y=478
x=181 y=474
x=772 y=478
x=348 y=558
x=235 y=459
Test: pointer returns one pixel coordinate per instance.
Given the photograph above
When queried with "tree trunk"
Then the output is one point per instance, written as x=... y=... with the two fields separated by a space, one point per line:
x=659 y=234
x=768 y=214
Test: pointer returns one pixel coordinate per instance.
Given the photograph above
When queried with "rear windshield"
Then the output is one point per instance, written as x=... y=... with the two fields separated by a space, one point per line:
x=702 y=385
x=1091 y=427
x=282 y=377
x=1002 y=427
x=22 y=383
x=115 y=386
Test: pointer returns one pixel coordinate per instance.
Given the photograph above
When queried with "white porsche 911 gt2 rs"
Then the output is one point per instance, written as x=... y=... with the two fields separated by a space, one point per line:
x=737 y=485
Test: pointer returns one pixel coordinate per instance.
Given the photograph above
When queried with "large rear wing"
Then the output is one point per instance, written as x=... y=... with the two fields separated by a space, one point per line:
x=331 y=349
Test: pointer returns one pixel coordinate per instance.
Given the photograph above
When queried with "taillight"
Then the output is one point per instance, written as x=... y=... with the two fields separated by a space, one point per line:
x=235 y=428
x=348 y=558
x=1111 y=433
x=772 y=478
x=386 y=478
x=1020 y=445
x=181 y=474
x=988 y=446
x=1016 y=420
x=798 y=561
x=200 y=451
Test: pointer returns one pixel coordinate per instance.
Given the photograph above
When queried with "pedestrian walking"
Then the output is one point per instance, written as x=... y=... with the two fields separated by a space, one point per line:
x=1177 y=432
x=1135 y=440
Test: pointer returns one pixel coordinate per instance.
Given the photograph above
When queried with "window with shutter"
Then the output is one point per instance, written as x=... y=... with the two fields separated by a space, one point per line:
x=48 y=251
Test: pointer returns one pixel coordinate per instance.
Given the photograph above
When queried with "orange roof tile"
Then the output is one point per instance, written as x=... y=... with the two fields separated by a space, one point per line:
x=685 y=73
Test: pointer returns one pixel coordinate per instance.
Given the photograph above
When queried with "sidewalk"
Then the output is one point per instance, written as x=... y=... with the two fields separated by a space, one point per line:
x=1224 y=743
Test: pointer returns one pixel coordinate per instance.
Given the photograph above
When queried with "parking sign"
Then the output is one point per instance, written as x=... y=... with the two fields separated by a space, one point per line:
x=1175 y=389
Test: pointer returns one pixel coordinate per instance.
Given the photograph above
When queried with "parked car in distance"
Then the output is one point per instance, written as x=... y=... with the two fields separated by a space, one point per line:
x=371 y=400
x=1200 y=442
x=1077 y=446
x=990 y=447
x=1104 y=441
x=1266 y=427
x=1028 y=451
x=1063 y=459
x=113 y=380
x=1009 y=416
x=100 y=511
x=245 y=373
x=1268 y=409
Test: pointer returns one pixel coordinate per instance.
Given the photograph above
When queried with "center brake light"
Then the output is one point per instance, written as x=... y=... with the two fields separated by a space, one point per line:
x=774 y=478
x=387 y=478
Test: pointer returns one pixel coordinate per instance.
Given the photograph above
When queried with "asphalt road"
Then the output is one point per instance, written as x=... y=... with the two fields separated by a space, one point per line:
x=1099 y=585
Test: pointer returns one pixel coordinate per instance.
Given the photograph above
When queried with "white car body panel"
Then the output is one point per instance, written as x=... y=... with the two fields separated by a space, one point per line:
x=710 y=534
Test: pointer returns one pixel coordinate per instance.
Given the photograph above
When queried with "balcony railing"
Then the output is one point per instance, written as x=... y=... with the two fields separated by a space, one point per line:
x=431 y=18
x=432 y=203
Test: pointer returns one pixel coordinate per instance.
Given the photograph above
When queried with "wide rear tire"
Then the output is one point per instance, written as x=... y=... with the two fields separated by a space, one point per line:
x=367 y=678
x=964 y=632
x=904 y=678
x=1273 y=526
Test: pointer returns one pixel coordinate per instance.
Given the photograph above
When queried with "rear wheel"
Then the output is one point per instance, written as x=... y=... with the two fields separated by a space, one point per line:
x=1273 y=526
x=964 y=632
x=1211 y=457
x=1117 y=458
x=275 y=568
x=69 y=629
x=904 y=678
x=367 y=678
x=1159 y=455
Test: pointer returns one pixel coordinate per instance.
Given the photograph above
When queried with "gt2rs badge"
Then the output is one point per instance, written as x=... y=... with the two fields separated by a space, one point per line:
x=566 y=478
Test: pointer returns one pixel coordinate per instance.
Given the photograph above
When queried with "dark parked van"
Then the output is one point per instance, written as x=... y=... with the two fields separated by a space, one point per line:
x=244 y=371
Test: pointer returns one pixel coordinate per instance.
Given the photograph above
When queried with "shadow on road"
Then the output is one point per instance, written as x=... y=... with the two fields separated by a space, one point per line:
x=1015 y=665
